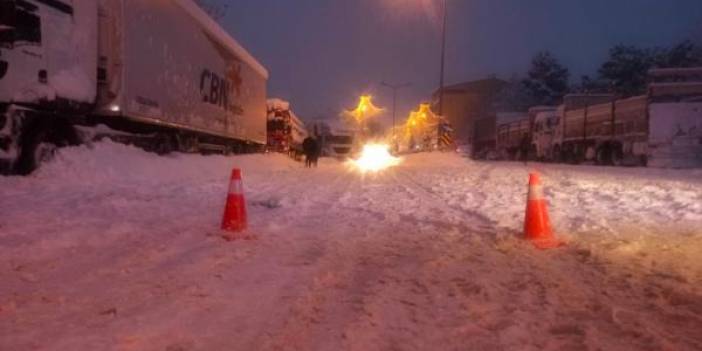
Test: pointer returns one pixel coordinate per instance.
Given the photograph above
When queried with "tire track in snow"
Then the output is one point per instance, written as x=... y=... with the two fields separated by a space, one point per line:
x=447 y=216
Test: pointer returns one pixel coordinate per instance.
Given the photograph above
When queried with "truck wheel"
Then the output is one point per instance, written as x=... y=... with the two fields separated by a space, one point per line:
x=44 y=152
x=164 y=144
x=617 y=156
x=557 y=154
x=603 y=156
x=532 y=154
x=187 y=143
x=643 y=160
x=40 y=141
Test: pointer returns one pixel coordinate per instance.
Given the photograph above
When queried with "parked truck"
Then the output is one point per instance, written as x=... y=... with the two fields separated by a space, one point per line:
x=160 y=71
x=662 y=128
x=286 y=131
x=513 y=131
x=337 y=138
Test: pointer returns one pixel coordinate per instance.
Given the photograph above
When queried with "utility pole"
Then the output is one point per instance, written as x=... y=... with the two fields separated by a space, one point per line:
x=443 y=57
x=395 y=88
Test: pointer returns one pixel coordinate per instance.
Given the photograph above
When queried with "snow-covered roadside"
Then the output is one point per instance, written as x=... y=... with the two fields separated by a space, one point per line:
x=112 y=248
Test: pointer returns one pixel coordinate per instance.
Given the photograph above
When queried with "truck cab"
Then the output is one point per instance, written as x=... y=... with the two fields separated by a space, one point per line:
x=48 y=60
x=22 y=58
x=48 y=53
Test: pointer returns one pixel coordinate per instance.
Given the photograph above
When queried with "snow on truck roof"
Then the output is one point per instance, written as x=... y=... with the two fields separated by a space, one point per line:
x=220 y=34
x=277 y=104
x=509 y=117
x=542 y=108
x=663 y=72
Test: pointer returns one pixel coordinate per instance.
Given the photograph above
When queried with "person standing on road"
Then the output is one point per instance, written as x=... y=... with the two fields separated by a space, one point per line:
x=317 y=152
x=309 y=147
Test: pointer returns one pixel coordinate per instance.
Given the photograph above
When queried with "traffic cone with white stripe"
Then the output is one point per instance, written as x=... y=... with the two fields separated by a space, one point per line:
x=234 y=219
x=537 y=227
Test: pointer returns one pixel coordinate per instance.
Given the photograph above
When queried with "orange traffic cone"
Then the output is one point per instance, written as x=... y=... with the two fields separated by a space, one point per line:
x=537 y=226
x=234 y=219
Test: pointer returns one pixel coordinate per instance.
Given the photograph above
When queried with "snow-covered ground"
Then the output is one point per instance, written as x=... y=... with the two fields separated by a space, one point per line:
x=112 y=248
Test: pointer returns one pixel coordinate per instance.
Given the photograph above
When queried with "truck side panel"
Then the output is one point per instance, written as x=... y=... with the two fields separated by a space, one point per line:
x=176 y=72
x=574 y=124
x=676 y=135
x=631 y=117
x=599 y=121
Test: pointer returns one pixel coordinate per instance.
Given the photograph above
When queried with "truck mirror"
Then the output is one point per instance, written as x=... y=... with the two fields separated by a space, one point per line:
x=7 y=12
x=3 y=69
x=7 y=22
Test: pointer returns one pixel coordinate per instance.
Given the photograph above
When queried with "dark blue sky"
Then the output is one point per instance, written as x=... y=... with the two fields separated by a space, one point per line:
x=322 y=54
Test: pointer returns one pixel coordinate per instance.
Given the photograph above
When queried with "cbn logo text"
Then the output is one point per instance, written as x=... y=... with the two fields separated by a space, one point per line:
x=222 y=91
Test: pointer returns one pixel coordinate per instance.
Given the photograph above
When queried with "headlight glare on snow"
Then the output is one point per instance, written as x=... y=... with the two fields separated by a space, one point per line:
x=374 y=158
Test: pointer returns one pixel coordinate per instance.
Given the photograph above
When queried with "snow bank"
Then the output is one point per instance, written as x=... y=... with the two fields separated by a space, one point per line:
x=113 y=163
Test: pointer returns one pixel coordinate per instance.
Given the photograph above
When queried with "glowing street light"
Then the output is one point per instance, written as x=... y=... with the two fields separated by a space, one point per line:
x=364 y=110
x=420 y=118
x=443 y=60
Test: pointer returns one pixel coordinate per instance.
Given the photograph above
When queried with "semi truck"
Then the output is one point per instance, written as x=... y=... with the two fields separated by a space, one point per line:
x=337 y=138
x=662 y=128
x=286 y=131
x=161 y=72
x=512 y=130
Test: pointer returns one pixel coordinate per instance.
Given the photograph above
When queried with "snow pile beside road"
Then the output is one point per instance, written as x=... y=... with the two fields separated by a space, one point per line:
x=425 y=255
x=114 y=163
x=97 y=195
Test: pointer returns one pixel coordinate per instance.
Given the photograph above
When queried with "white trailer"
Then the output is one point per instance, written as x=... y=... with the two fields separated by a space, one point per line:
x=161 y=69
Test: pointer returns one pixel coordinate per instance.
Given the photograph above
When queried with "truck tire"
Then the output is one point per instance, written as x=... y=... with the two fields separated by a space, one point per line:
x=617 y=155
x=164 y=144
x=557 y=155
x=643 y=161
x=604 y=156
x=532 y=154
x=40 y=140
x=187 y=143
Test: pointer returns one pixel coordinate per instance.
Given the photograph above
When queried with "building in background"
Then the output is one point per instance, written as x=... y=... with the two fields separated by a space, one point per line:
x=470 y=108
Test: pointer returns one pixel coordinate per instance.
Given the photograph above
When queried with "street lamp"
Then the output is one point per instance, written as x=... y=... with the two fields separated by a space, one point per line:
x=395 y=88
x=443 y=56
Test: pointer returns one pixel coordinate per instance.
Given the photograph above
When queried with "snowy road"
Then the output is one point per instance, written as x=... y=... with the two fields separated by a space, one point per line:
x=116 y=249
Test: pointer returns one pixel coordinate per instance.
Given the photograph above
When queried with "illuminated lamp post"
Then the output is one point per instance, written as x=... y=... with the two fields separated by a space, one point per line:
x=395 y=88
x=443 y=59
x=363 y=112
